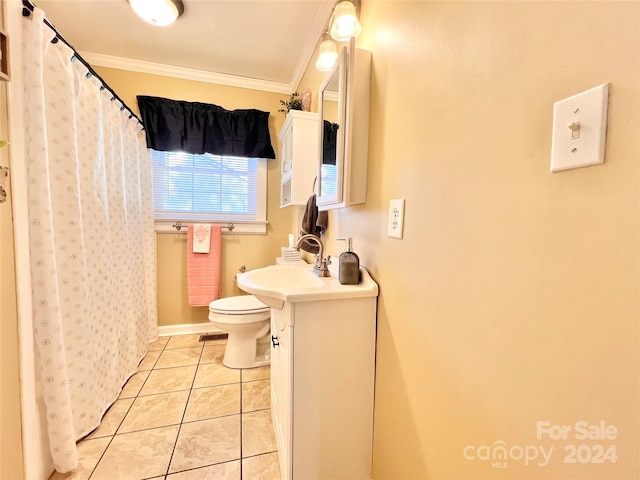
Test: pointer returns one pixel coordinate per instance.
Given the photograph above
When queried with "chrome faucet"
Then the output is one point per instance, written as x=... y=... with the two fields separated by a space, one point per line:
x=321 y=268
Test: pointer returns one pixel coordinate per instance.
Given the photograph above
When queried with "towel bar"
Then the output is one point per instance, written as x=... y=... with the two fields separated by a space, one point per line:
x=179 y=226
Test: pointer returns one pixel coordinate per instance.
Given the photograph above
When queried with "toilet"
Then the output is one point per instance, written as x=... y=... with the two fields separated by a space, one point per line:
x=246 y=319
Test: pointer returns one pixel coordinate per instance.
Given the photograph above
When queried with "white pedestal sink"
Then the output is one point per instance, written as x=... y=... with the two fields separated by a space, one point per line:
x=322 y=370
x=277 y=284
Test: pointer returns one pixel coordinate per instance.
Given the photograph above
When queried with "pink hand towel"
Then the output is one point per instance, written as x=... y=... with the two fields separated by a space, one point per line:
x=203 y=269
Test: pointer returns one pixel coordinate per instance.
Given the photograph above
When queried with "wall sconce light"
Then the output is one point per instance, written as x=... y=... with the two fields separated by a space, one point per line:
x=327 y=54
x=158 y=12
x=344 y=23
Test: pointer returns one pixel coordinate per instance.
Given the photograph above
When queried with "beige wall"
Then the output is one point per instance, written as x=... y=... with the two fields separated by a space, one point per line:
x=253 y=251
x=514 y=296
x=10 y=423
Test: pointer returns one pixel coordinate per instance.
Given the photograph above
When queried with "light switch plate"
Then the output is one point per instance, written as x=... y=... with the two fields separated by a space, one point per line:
x=579 y=129
x=396 y=218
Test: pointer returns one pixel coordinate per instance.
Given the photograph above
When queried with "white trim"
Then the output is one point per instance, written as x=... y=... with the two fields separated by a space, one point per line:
x=109 y=61
x=37 y=461
x=331 y=96
x=261 y=194
x=318 y=26
x=187 y=328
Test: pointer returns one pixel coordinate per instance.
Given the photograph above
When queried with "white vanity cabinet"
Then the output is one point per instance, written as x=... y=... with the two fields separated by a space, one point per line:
x=299 y=159
x=322 y=387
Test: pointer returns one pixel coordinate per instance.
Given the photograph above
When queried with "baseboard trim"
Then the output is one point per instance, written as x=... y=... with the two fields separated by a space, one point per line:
x=187 y=328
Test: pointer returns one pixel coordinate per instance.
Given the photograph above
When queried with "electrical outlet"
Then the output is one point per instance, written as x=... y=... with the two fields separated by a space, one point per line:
x=396 y=218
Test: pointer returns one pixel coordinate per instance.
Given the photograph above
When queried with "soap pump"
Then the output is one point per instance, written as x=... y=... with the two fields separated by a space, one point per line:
x=349 y=265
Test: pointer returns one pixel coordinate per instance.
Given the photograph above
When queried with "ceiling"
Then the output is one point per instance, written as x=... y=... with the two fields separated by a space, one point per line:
x=263 y=44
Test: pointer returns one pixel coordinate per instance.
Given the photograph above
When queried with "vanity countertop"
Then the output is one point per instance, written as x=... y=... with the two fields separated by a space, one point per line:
x=277 y=284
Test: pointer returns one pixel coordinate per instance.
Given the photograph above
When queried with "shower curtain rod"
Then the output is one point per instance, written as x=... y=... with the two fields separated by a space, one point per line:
x=27 y=8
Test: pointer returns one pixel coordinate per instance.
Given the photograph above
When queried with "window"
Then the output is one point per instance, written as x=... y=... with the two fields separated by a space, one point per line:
x=329 y=179
x=209 y=188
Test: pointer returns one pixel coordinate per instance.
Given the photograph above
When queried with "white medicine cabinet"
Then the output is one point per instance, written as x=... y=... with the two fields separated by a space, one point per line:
x=343 y=133
x=299 y=157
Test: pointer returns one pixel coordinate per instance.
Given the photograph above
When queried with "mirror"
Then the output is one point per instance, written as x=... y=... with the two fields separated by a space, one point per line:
x=332 y=109
x=344 y=130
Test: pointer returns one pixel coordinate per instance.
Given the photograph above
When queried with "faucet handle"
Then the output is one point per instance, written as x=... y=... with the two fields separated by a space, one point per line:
x=322 y=268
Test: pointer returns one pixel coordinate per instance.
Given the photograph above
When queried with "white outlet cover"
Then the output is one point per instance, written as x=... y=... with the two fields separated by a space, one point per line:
x=396 y=218
x=579 y=129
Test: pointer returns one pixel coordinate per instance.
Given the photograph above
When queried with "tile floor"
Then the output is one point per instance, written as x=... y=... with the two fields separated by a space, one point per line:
x=184 y=416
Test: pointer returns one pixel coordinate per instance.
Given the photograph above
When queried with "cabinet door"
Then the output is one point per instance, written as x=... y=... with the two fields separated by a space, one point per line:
x=287 y=152
x=333 y=387
x=281 y=366
x=299 y=136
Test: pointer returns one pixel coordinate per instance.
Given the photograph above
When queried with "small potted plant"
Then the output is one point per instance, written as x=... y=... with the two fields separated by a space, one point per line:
x=294 y=103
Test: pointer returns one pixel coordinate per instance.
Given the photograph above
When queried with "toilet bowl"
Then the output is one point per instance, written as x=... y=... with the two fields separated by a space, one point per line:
x=246 y=319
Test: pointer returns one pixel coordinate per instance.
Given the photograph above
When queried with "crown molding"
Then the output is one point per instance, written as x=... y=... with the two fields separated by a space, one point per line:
x=109 y=61
x=318 y=27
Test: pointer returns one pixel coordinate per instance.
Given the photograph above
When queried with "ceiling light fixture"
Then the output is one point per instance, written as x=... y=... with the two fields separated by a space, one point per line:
x=344 y=23
x=327 y=54
x=158 y=12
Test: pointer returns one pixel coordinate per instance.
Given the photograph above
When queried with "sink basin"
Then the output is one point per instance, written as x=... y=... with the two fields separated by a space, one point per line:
x=275 y=285
x=283 y=278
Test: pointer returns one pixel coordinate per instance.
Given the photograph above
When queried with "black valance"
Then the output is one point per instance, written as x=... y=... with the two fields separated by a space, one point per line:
x=329 y=142
x=197 y=128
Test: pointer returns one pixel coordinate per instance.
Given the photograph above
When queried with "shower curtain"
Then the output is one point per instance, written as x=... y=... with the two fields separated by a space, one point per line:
x=92 y=241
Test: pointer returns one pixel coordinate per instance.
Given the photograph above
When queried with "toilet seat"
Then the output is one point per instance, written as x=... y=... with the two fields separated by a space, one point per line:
x=239 y=305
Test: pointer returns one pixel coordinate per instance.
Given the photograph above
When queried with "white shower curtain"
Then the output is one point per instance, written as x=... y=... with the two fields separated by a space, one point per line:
x=92 y=241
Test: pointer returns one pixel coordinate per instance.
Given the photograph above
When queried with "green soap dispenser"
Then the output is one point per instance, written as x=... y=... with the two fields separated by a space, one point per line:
x=349 y=265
